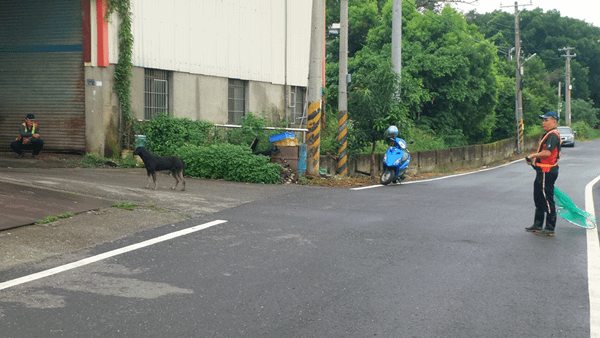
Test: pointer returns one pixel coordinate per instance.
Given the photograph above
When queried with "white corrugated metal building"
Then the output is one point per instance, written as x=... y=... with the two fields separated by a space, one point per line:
x=220 y=59
x=212 y=60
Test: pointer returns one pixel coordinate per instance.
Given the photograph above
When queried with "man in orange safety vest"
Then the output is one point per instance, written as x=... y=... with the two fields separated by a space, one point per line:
x=545 y=163
x=28 y=138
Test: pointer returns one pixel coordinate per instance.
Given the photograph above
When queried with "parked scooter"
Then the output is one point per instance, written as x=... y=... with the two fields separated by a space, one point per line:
x=396 y=158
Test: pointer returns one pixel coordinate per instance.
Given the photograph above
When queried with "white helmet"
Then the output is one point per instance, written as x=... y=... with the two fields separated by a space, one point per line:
x=392 y=131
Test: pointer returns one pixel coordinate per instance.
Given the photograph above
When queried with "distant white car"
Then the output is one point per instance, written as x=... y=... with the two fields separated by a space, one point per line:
x=567 y=136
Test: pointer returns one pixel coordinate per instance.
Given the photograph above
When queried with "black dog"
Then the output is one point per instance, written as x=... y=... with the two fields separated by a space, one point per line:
x=155 y=163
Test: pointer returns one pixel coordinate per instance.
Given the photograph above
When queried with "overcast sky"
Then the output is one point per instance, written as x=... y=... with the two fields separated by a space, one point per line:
x=586 y=10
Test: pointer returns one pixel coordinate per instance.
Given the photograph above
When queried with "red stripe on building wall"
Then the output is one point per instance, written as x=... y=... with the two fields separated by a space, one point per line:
x=101 y=7
x=86 y=27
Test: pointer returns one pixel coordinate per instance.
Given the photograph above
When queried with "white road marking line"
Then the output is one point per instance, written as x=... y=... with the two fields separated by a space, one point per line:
x=86 y=261
x=441 y=177
x=593 y=250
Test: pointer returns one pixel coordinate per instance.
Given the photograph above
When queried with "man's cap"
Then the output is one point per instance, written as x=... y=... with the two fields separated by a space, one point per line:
x=550 y=114
x=30 y=117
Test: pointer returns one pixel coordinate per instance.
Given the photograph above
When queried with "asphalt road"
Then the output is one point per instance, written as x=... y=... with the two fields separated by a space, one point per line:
x=438 y=258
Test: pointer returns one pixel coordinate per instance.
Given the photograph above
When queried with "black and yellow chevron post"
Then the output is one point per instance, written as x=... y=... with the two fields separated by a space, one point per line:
x=313 y=138
x=520 y=133
x=342 y=163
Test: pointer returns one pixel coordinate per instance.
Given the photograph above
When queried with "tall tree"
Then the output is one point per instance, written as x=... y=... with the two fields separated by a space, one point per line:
x=374 y=106
x=458 y=69
x=584 y=111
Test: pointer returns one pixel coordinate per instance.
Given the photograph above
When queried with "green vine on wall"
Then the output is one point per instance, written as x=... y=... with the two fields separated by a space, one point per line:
x=124 y=66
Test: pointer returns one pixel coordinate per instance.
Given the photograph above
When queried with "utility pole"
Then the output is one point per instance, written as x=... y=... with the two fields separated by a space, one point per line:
x=342 y=162
x=397 y=36
x=315 y=89
x=568 y=84
x=519 y=82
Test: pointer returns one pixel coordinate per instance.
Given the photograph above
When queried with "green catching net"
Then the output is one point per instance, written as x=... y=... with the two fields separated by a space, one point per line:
x=570 y=212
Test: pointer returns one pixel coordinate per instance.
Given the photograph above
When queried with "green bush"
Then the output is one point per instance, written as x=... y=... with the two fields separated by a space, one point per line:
x=533 y=130
x=584 y=131
x=165 y=134
x=585 y=111
x=251 y=128
x=202 y=147
x=229 y=162
x=329 y=133
x=424 y=140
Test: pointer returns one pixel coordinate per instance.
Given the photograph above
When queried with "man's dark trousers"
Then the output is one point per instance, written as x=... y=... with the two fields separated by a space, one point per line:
x=543 y=196
x=35 y=144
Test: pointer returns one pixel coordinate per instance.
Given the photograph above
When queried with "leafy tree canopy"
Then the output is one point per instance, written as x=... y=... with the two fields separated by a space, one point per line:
x=458 y=70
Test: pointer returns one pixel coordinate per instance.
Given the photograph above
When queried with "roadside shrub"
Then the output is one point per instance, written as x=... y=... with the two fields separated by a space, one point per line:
x=251 y=128
x=534 y=130
x=584 y=111
x=329 y=133
x=165 y=134
x=229 y=162
x=584 y=131
x=424 y=139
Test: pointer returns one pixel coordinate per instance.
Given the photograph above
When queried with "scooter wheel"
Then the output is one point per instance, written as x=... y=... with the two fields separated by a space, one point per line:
x=387 y=177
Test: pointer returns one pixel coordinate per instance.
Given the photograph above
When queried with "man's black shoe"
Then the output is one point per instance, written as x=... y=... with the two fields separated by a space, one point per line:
x=545 y=233
x=533 y=228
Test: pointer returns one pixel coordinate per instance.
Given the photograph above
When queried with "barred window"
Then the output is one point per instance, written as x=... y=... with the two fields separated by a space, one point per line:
x=236 y=101
x=156 y=92
x=297 y=104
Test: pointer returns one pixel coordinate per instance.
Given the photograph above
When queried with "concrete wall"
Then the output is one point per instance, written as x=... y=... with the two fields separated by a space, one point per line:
x=201 y=97
x=213 y=99
x=268 y=98
x=102 y=115
x=186 y=95
x=440 y=160
x=137 y=93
